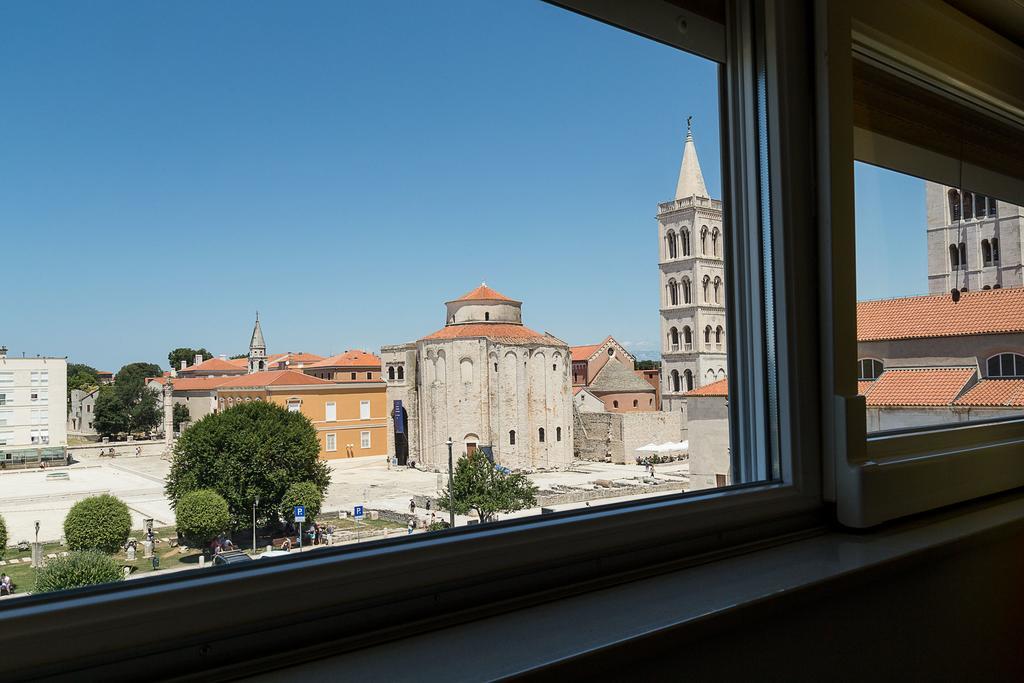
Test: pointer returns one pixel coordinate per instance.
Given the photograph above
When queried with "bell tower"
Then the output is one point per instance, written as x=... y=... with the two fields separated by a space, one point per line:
x=257 y=349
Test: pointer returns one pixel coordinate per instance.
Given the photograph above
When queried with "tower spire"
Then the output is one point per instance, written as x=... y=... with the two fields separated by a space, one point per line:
x=257 y=348
x=691 y=180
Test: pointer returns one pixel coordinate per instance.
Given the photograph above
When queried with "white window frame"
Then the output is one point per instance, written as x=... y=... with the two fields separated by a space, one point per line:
x=294 y=405
x=331 y=442
x=943 y=465
x=330 y=411
x=769 y=351
x=364 y=410
x=364 y=439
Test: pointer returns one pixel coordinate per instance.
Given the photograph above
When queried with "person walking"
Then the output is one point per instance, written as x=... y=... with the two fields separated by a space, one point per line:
x=412 y=526
x=412 y=506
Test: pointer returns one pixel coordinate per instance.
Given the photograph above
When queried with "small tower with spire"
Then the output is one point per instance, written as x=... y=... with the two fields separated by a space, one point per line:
x=257 y=349
x=692 y=297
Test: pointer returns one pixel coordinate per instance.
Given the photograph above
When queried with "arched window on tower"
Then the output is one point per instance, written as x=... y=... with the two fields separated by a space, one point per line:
x=714 y=241
x=719 y=337
x=707 y=282
x=986 y=253
x=391 y=373
x=687 y=297
x=963 y=256
x=487 y=315
x=718 y=288
x=401 y=372
x=558 y=433
x=704 y=240
x=687 y=338
x=684 y=236
x=995 y=250
x=540 y=434
x=688 y=378
x=707 y=337
x=980 y=206
x=954 y=205
x=954 y=257
x=968 y=204
x=671 y=246
x=673 y=339
x=674 y=381
x=673 y=293
x=511 y=437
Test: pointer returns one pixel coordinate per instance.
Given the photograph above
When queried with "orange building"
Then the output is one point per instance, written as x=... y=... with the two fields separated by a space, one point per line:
x=349 y=417
x=351 y=366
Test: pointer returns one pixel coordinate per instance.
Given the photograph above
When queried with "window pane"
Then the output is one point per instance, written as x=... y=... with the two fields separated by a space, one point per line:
x=939 y=319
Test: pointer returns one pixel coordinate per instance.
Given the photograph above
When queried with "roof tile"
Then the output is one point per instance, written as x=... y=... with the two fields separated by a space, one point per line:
x=919 y=386
x=719 y=388
x=506 y=333
x=355 y=358
x=996 y=311
x=994 y=392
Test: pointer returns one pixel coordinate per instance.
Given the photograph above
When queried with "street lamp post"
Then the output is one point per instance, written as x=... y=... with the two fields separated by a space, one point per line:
x=255 y=504
x=451 y=489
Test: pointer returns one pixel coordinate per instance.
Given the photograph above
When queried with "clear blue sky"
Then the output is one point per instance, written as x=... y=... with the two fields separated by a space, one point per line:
x=344 y=167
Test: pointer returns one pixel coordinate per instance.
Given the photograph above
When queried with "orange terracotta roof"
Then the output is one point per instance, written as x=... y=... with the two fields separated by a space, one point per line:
x=355 y=358
x=576 y=390
x=484 y=293
x=507 y=333
x=584 y=352
x=199 y=383
x=864 y=386
x=297 y=357
x=269 y=378
x=242 y=362
x=718 y=388
x=994 y=392
x=211 y=366
x=919 y=386
x=996 y=311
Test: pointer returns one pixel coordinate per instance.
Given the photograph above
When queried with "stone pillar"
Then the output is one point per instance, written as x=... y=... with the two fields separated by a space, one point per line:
x=169 y=414
x=37 y=555
x=147 y=548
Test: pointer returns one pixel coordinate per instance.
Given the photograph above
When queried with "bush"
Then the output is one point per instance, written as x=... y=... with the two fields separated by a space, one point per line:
x=78 y=569
x=302 y=493
x=3 y=536
x=98 y=523
x=438 y=526
x=201 y=515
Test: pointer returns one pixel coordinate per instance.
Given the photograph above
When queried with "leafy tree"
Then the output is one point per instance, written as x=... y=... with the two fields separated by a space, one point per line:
x=239 y=355
x=648 y=365
x=479 y=485
x=302 y=493
x=254 y=450
x=128 y=406
x=98 y=523
x=82 y=377
x=180 y=414
x=201 y=515
x=186 y=354
x=78 y=569
x=3 y=536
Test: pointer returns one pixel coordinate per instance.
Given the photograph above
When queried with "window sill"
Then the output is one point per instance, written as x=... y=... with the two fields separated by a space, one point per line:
x=548 y=634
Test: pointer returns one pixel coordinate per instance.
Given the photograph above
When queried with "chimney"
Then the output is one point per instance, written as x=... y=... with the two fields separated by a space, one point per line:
x=184 y=364
x=223 y=356
x=198 y=358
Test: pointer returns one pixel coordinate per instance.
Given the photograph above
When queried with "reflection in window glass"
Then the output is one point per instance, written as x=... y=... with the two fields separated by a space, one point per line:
x=939 y=334
x=514 y=199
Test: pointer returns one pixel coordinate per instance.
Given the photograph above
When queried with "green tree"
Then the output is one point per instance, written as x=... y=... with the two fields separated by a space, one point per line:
x=3 y=536
x=239 y=355
x=82 y=377
x=648 y=365
x=186 y=354
x=254 y=450
x=478 y=485
x=128 y=406
x=181 y=414
x=302 y=493
x=98 y=523
x=78 y=569
x=201 y=515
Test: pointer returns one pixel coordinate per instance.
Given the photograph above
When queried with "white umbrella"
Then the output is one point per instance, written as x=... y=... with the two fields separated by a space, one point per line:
x=681 y=446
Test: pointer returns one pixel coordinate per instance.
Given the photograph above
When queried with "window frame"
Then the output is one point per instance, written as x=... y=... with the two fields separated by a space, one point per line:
x=880 y=477
x=766 y=74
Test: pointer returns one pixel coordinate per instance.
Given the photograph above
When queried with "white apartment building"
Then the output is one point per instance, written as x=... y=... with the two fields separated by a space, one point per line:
x=33 y=408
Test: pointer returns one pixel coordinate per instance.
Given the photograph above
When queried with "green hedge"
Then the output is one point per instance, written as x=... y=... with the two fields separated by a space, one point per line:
x=98 y=523
x=201 y=515
x=78 y=569
x=3 y=536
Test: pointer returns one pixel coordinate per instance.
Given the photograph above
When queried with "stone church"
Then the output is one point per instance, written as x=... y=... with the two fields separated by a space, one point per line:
x=485 y=380
x=693 y=348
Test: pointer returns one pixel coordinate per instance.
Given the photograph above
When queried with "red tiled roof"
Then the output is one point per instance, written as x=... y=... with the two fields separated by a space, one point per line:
x=584 y=352
x=484 y=293
x=269 y=378
x=507 y=333
x=199 y=383
x=355 y=358
x=718 y=388
x=864 y=386
x=996 y=311
x=242 y=362
x=297 y=357
x=994 y=392
x=211 y=366
x=919 y=386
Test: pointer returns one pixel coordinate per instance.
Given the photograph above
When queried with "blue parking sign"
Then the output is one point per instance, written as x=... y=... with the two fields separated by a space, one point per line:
x=300 y=513
x=358 y=512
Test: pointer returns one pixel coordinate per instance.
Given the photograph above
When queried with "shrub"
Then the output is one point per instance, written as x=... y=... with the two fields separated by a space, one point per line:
x=438 y=526
x=3 y=536
x=98 y=523
x=85 y=568
x=302 y=493
x=201 y=515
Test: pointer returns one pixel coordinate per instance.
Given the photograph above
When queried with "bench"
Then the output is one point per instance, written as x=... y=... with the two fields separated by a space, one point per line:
x=277 y=543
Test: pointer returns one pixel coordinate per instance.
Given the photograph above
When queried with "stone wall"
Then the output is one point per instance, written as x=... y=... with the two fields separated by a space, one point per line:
x=121 y=448
x=639 y=429
x=615 y=437
x=598 y=436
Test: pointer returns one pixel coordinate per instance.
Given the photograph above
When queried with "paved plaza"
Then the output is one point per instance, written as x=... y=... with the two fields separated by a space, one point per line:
x=30 y=495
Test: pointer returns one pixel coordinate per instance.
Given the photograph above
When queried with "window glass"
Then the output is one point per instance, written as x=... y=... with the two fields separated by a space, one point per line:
x=568 y=175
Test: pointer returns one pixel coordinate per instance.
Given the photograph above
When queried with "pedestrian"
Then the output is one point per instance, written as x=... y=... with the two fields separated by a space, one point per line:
x=286 y=544
x=412 y=506
x=433 y=519
x=412 y=526
x=138 y=451
x=428 y=504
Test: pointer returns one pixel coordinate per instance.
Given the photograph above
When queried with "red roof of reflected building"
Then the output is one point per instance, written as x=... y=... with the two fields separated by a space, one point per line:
x=919 y=386
x=995 y=311
x=717 y=388
x=355 y=358
x=994 y=393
